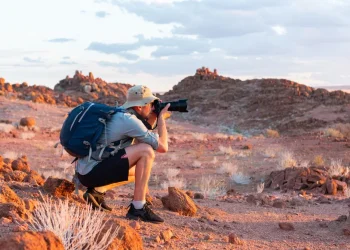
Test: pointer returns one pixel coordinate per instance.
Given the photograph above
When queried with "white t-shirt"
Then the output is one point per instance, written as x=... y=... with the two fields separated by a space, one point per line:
x=122 y=126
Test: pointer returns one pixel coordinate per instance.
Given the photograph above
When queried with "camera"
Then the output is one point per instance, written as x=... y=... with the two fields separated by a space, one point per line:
x=180 y=106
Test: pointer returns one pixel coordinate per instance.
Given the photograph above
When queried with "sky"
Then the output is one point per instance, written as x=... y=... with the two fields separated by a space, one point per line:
x=157 y=43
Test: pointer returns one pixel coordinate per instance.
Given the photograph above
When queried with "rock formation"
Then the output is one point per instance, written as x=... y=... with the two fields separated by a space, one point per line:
x=258 y=104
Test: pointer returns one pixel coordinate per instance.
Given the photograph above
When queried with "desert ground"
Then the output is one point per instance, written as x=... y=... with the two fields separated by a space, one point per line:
x=224 y=171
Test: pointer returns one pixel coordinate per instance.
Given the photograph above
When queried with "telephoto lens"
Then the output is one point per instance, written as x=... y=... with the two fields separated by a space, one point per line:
x=179 y=106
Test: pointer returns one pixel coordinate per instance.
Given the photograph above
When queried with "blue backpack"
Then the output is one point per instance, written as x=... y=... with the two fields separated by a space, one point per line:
x=84 y=126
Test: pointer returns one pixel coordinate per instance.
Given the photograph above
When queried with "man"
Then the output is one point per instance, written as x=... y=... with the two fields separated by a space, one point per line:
x=129 y=162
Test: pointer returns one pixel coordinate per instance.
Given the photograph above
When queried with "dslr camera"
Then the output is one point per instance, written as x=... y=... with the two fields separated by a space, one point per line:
x=180 y=106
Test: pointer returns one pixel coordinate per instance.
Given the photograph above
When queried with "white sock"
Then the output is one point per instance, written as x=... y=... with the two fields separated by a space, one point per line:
x=138 y=204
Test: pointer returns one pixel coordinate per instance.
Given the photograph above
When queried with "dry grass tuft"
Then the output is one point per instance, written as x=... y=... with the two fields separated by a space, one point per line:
x=227 y=168
x=270 y=133
x=333 y=133
x=286 y=160
x=318 y=160
x=77 y=227
x=211 y=187
x=7 y=128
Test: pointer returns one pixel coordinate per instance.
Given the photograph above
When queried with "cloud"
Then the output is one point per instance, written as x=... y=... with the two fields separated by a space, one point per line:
x=101 y=14
x=67 y=63
x=279 y=30
x=66 y=57
x=60 y=40
x=30 y=60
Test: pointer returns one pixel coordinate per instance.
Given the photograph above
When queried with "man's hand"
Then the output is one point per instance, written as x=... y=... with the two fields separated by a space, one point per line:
x=164 y=113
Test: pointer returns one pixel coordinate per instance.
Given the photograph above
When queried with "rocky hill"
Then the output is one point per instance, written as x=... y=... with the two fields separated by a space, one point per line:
x=69 y=91
x=258 y=104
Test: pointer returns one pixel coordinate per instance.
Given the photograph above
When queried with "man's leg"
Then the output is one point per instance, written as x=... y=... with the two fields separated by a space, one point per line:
x=142 y=155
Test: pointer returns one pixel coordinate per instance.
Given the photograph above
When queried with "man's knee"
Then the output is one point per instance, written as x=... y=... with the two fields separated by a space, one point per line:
x=148 y=151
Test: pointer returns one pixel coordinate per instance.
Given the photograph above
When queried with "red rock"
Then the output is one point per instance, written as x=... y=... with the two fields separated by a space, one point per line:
x=166 y=235
x=135 y=225
x=21 y=165
x=27 y=121
x=9 y=209
x=8 y=195
x=128 y=238
x=286 y=226
x=59 y=187
x=180 y=202
x=234 y=239
x=31 y=241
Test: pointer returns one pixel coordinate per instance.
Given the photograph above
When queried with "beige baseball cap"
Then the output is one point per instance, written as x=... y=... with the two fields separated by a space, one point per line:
x=138 y=95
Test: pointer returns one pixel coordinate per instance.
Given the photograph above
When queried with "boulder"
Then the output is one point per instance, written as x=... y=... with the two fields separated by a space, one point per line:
x=58 y=187
x=2 y=81
x=12 y=210
x=127 y=238
x=31 y=241
x=8 y=195
x=15 y=176
x=286 y=226
x=179 y=201
x=34 y=178
x=27 y=121
x=331 y=186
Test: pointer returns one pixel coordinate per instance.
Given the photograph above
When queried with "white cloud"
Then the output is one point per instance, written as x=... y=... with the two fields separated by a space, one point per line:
x=279 y=30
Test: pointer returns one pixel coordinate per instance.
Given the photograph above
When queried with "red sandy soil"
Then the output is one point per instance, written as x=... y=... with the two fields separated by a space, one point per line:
x=219 y=216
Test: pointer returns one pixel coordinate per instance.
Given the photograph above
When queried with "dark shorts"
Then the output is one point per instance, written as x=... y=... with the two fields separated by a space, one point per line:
x=111 y=170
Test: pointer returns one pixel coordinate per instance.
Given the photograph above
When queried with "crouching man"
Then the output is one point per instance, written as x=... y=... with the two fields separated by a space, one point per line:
x=130 y=161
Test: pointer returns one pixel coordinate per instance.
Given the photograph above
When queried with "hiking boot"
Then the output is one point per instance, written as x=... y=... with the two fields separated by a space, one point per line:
x=96 y=199
x=145 y=214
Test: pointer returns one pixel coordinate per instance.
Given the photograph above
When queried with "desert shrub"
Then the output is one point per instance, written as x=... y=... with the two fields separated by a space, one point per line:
x=260 y=187
x=226 y=150
x=27 y=135
x=286 y=160
x=174 y=182
x=227 y=168
x=215 y=160
x=171 y=173
x=318 y=160
x=304 y=164
x=343 y=128
x=6 y=127
x=211 y=187
x=196 y=164
x=337 y=168
x=333 y=133
x=200 y=136
x=11 y=155
x=240 y=178
x=243 y=154
x=272 y=133
x=220 y=136
x=269 y=153
x=77 y=227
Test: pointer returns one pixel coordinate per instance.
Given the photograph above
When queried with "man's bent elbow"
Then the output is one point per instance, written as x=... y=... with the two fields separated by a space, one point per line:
x=162 y=149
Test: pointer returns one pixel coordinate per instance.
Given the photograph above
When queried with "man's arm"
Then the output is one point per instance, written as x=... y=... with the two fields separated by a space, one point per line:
x=162 y=130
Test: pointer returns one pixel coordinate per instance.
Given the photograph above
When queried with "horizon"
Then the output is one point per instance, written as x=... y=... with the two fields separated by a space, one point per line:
x=159 y=43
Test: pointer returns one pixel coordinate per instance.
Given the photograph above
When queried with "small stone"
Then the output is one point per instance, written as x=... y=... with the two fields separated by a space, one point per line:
x=279 y=204
x=207 y=237
x=157 y=239
x=198 y=196
x=234 y=239
x=342 y=218
x=286 y=226
x=248 y=146
x=346 y=231
x=135 y=225
x=166 y=235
